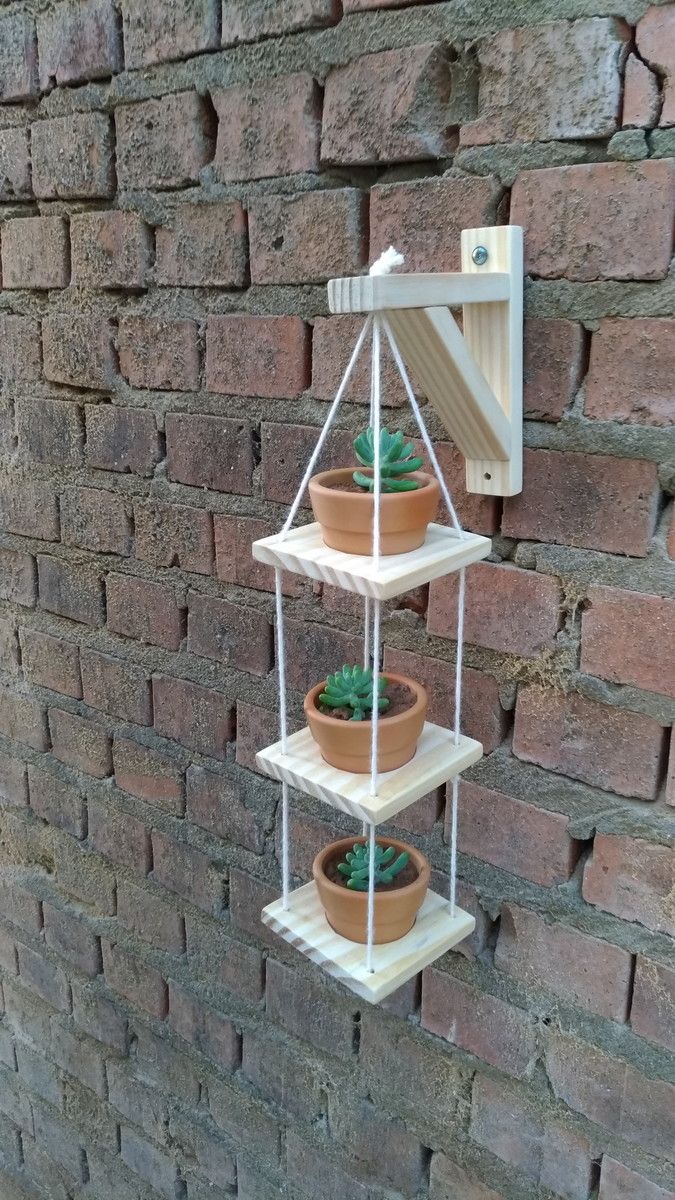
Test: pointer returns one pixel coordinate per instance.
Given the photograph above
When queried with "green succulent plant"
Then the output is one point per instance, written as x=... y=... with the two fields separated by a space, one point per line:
x=397 y=457
x=357 y=865
x=352 y=687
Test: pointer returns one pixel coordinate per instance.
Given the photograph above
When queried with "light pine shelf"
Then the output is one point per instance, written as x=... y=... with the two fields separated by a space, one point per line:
x=304 y=552
x=437 y=759
x=305 y=927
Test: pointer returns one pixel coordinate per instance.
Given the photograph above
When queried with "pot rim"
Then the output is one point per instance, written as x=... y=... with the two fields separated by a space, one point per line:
x=420 y=860
x=318 y=483
x=421 y=702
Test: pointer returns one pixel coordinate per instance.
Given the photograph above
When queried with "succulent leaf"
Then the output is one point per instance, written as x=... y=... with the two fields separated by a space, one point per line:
x=352 y=688
x=357 y=866
x=397 y=457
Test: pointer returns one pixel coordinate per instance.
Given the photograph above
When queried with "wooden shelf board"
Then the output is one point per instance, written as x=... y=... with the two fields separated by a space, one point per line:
x=304 y=926
x=304 y=552
x=437 y=759
x=372 y=293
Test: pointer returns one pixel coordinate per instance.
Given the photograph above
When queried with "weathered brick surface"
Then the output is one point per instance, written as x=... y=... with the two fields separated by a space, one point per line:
x=73 y=157
x=178 y=182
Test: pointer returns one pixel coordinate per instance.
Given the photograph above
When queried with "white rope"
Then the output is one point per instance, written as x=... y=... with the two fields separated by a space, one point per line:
x=422 y=427
x=453 y=847
x=324 y=432
x=283 y=731
x=371 y=898
x=460 y=653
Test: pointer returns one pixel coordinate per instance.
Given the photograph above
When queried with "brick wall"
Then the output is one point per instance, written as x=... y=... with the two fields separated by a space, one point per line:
x=177 y=183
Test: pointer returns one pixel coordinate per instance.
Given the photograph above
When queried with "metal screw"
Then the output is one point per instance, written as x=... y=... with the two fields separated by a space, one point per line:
x=479 y=255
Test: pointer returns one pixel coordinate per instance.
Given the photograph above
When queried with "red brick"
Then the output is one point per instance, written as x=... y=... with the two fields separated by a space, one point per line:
x=50 y=431
x=309 y=1011
x=282 y=1076
x=197 y=717
x=236 y=636
x=154 y=36
x=73 y=157
x=302 y=1161
x=51 y=662
x=159 y=353
x=213 y=802
x=29 y=509
x=18 y=56
x=267 y=128
x=276 y=366
x=256 y=728
x=23 y=720
x=582 y=970
x=148 y=774
x=116 y=687
x=482 y=715
x=94 y=519
x=553 y=366
x=390 y=107
x=588 y=500
x=13 y=786
x=249 y=20
x=98 y=1017
x=78 y=351
x=168 y=535
x=109 y=250
x=550 y=1153
x=618 y=1182
x=141 y=985
x=609 y=748
x=670 y=780
x=68 y=936
x=424 y=218
x=87 y=878
x=20 y=358
x=629 y=637
x=35 y=253
x=307 y=835
x=20 y=907
x=186 y=871
x=78 y=42
x=42 y=977
x=17 y=577
x=307 y=237
x=15 y=181
x=206 y=245
x=285 y=451
x=57 y=802
x=506 y=608
x=313 y=651
x=234 y=560
x=641 y=99
x=10 y=656
x=205 y=1029
x=376 y=1148
x=613 y=1094
x=162 y=143
x=655 y=39
x=78 y=1057
x=79 y=743
x=572 y=230
x=248 y=896
x=148 y=612
x=627 y=376
x=152 y=919
x=633 y=879
x=466 y=1017
x=122 y=439
x=211 y=452
x=478 y=513
x=652 y=1013
x=448 y=1180
x=526 y=841
x=236 y=966
x=70 y=591
x=546 y=82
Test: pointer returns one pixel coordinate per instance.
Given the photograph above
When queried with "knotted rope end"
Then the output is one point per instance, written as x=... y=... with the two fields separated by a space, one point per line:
x=385 y=264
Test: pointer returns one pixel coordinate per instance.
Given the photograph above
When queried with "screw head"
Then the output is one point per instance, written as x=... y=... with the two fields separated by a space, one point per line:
x=479 y=255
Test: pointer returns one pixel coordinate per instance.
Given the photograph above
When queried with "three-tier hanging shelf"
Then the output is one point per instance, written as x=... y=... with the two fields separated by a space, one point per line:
x=473 y=379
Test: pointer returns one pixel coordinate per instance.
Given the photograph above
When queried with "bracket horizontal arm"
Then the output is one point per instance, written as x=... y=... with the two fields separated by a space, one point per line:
x=372 y=293
x=446 y=371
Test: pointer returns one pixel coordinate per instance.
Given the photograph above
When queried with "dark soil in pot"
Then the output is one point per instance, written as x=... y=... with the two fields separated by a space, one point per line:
x=400 y=698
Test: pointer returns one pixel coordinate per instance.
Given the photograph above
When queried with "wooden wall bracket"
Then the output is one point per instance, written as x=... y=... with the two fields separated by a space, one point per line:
x=474 y=378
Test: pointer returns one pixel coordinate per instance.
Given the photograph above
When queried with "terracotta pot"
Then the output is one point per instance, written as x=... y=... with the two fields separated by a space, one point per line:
x=346 y=744
x=347 y=911
x=346 y=518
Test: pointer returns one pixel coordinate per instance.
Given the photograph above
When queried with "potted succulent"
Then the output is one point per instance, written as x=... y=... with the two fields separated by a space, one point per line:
x=402 y=874
x=339 y=710
x=343 y=500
